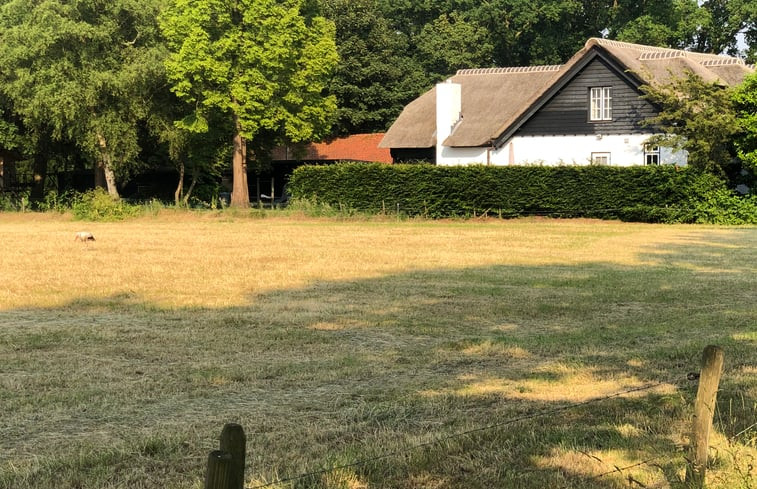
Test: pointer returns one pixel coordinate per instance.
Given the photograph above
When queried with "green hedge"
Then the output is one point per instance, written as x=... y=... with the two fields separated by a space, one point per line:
x=649 y=194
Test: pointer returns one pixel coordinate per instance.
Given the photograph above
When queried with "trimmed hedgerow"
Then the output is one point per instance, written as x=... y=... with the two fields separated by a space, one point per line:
x=649 y=194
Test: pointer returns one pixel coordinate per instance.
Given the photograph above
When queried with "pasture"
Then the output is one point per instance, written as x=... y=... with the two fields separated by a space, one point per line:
x=528 y=353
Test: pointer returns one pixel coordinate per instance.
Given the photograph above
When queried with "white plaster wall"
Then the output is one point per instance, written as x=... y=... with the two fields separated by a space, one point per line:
x=625 y=150
x=448 y=109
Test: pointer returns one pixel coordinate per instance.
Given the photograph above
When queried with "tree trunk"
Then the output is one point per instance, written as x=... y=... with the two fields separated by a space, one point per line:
x=240 y=194
x=195 y=177
x=180 y=185
x=107 y=168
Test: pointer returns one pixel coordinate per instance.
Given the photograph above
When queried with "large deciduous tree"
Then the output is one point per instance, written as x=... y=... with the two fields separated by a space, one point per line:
x=745 y=100
x=725 y=21
x=263 y=63
x=377 y=74
x=451 y=42
x=666 y=23
x=698 y=117
x=81 y=71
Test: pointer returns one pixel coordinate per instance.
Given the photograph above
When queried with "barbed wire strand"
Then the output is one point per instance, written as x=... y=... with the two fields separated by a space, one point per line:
x=517 y=419
x=627 y=467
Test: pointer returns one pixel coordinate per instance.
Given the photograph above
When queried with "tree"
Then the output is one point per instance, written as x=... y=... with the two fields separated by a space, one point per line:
x=665 y=23
x=695 y=116
x=377 y=74
x=82 y=71
x=451 y=42
x=524 y=32
x=726 y=19
x=745 y=100
x=262 y=63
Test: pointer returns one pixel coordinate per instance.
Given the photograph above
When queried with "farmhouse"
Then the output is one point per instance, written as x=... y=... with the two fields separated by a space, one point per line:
x=586 y=111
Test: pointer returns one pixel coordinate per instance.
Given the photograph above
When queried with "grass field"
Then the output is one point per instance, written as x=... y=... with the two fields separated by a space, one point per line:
x=460 y=354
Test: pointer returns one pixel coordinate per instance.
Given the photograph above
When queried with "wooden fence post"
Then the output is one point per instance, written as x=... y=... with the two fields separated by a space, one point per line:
x=234 y=441
x=219 y=470
x=704 y=410
x=226 y=466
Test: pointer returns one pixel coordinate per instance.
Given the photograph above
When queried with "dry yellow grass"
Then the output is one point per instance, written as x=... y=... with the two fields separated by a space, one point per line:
x=332 y=341
x=182 y=260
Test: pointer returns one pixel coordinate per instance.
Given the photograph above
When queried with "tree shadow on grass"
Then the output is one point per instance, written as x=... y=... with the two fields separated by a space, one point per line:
x=431 y=378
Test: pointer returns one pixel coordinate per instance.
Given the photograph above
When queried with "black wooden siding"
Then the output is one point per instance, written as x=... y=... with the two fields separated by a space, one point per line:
x=567 y=113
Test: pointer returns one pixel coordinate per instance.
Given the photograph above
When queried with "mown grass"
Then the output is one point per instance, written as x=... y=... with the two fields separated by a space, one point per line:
x=375 y=341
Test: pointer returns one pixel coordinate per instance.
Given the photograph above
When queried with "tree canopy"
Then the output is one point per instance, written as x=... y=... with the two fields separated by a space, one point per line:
x=745 y=104
x=261 y=62
x=698 y=117
x=82 y=70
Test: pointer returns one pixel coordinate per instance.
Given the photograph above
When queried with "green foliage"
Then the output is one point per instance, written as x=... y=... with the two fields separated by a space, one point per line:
x=55 y=201
x=718 y=206
x=98 y=205
x=696 y=116
x=14 y=202
x=669 y=23
x=451 y=42
x=260 y=63
x=82 y=71
x=745 y=100
x=377 y=73
x=651 y=194
x=260 y=60
x=724 y=20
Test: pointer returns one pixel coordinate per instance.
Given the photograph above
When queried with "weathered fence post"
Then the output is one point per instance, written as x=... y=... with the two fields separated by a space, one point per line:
x=226 y=466
x=234 y=441
x=219 y=469
x=704 y=410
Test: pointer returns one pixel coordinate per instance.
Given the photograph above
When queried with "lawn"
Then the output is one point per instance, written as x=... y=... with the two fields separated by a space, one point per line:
x=528 y=353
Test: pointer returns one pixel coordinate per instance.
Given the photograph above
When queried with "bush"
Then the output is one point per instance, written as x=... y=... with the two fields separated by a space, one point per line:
x=98 y=205
x=648 y=194
x=720 y=207
x=14 y=202
x=57 y=202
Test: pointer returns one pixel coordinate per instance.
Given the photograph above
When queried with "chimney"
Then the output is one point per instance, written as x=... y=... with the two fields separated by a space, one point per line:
x=448 y=113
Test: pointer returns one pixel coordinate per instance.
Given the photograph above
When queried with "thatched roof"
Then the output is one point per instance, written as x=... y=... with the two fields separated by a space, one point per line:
x=496 y=101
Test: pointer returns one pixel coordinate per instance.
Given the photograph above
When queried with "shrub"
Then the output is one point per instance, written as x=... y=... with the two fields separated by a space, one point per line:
x=57 y=202
x=98 y=205
x=649 y=194
x=14 y=202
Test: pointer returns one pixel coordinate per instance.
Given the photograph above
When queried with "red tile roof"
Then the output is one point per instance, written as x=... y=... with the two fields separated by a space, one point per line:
x=358 y=147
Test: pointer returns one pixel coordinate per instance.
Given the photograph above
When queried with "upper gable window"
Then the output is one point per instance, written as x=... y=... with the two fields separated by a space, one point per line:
x=600 y=104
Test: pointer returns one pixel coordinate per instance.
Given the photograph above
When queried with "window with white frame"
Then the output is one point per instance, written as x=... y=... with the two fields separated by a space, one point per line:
x=600 y=104
x=600 y=159
x=651 y=154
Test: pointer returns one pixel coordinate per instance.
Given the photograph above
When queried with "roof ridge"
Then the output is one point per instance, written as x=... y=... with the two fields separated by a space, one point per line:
x=722 y=61
x=637 y=47
x=509 y=69
x=651 y=53
x=654 y=55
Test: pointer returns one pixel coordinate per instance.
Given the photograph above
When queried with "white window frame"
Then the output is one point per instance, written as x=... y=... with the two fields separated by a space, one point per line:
x=600 y=104
x=601 y=158
x=651 y=152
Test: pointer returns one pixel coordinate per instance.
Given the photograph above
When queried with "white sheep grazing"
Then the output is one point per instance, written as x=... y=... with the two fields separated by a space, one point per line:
x=84 y=236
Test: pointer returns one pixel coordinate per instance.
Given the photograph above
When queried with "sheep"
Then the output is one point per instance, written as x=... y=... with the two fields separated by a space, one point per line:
x=84 y=236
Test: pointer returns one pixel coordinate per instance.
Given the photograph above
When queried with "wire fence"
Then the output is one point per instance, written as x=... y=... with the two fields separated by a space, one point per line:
x=440 y=440
x=220 y=474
